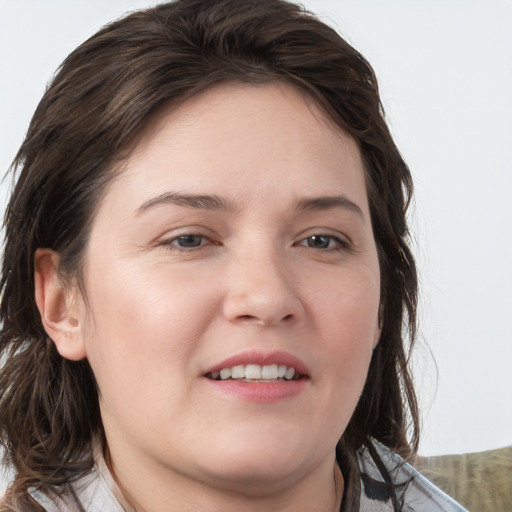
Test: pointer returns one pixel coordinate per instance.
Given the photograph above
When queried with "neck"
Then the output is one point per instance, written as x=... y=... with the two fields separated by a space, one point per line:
x=321 y=490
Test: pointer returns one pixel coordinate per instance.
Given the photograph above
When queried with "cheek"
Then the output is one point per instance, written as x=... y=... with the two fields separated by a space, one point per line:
x=347 y=318
x=146 y=302
x=141 y=329
x=348 y=307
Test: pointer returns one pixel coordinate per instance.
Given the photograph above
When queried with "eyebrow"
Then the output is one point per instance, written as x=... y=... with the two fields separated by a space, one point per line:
x=327 y=203
x=203 y=202
x=219 y=203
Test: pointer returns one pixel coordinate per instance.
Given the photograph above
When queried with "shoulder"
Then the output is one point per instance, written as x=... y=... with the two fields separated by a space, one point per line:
x=92 y=491
x=414 y=491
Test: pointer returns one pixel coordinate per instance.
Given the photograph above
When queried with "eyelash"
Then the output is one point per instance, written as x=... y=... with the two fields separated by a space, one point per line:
x=172 y=245
x=339 y=244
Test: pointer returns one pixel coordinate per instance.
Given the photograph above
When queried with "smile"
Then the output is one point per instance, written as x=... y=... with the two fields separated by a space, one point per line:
x=256 y=373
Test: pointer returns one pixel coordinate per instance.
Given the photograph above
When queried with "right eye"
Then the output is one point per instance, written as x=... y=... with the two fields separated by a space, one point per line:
x=188 y=241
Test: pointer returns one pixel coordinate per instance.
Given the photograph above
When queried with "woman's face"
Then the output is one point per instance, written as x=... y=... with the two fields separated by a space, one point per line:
x=236 y=240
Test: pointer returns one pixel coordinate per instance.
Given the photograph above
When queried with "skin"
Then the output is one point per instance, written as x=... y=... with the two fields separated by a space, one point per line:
x=158 y=315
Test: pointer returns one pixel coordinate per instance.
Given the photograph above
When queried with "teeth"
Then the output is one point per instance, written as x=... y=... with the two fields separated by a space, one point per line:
x=225 y=373
x=238 y=372
x=253 y=371
x=290 y=373
x=256 y=372
x=269 y=372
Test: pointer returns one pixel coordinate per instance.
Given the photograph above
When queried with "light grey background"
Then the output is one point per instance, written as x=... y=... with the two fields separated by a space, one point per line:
x=446 y=80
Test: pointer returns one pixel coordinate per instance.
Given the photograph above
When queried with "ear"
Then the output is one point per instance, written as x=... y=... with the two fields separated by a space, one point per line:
x=58 y=306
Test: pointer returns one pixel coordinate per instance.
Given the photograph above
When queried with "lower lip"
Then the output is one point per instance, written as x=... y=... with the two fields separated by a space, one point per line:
x=260 y=391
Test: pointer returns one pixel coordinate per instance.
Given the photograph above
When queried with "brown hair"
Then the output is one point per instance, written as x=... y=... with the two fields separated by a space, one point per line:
x=99 y=101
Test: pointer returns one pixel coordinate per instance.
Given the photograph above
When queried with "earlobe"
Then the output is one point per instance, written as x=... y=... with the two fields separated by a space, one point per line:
x=57 y=306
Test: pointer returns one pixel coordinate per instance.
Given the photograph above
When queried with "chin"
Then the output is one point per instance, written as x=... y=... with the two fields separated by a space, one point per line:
x=261 y=467
x=263 y=479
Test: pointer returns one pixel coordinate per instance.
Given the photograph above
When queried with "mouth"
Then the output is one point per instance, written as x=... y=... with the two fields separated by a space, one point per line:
x=256 y=373
x=253 y=376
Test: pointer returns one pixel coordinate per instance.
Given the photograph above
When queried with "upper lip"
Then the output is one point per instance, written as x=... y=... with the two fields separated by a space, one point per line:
x=262 y=359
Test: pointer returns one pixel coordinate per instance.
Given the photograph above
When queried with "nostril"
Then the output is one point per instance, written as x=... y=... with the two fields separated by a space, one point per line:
x=261 y=308
x=247 y=318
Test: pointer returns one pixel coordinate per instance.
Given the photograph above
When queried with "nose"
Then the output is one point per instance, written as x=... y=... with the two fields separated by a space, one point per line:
x=261 y=291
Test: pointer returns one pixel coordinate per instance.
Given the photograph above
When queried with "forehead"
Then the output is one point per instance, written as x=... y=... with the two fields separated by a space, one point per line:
x=236 y=100
x=238 y=138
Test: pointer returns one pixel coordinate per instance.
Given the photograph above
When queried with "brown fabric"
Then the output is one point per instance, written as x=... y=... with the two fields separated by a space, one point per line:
x=479 y=481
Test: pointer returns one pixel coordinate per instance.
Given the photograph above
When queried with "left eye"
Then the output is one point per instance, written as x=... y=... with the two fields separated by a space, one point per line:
x=322 y=242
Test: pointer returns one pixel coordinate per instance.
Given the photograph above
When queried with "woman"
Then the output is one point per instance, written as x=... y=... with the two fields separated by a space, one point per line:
x=206 y=275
